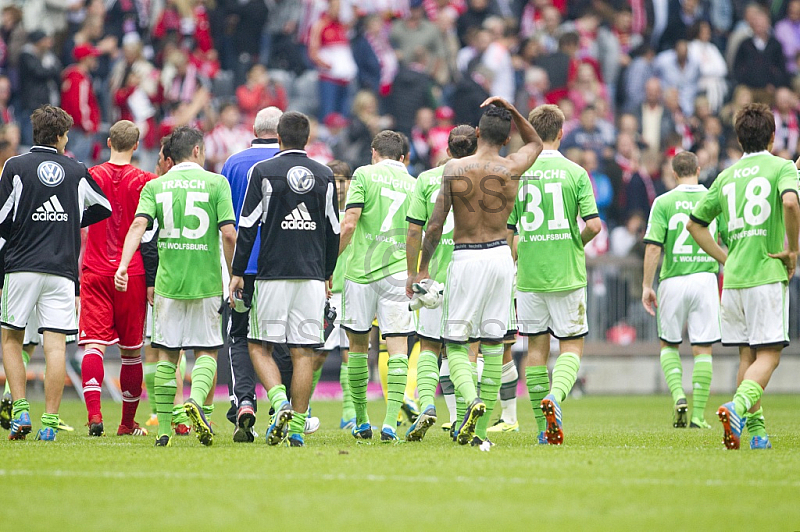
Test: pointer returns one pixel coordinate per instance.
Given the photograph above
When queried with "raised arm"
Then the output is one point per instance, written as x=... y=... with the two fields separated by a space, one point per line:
x=527 y=154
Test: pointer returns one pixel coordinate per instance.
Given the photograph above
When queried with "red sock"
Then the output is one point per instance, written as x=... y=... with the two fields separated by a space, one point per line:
x=92 y=376
x=130 y=381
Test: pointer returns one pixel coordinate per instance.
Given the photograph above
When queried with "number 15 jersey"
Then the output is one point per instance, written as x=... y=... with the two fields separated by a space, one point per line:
x=667 y=228
x=748 y=195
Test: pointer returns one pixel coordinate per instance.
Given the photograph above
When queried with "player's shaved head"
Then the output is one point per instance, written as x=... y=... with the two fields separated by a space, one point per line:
x=389 y=145
x=755 y=127
x=547 y=120
x=685 y=164
x=495 y=125
x=123 y=135
x=462 y=141
x=266 y=122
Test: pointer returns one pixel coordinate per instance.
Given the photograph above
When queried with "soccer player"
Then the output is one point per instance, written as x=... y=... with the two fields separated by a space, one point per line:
x=236 y=170
x=192 y=207
x=45 y=199
x=687 y=292
x=292 y=200
x=374 y=279
x=109 y=317
x=551 y=280
x=461 y=142
x=480 y=189
x=757 y=201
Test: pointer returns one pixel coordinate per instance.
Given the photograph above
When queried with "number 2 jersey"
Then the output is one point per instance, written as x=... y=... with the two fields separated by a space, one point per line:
x=190 y=205
x=552 y=194
x=748 y=196
x=667 y=228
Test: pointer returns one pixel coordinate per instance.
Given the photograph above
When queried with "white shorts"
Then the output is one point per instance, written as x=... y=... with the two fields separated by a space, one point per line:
x=338 y=337
x=288 y=311
x=757 y=316
x=693 y=300
x=386 y=299
x=51 y=297
x=32 y=335
x=478 y=293
x=187 y=323
x=429 y=323
x=562 y=314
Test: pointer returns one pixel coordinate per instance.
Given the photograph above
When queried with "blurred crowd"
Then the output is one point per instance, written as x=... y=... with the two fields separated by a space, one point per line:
x=638 y=80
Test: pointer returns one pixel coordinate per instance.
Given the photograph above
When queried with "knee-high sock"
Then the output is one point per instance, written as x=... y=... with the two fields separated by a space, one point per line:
x=673 y=372
x=165 y=387
x=508 y=392
x=461 y=372
x=149 y=370
x=490 y=384
x=396 y=387
x=538 y=387
x=565 y=373
x=411 y=379
x=358 y=371
x=205 y=367
x=92 y=375
x=756 y=425
x=277 y=396
x=348 y=411
x=427 y=378
x=701 y=385
x=448 y=390
x=747 y=394
x=25 y=359
x=130 y=382
x=315 y=380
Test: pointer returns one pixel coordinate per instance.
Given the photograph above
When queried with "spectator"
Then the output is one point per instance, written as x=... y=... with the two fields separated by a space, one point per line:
x=537 y=85
x=258 y=93
x=654 y=120
x=376 y=60
x=126 y=17
x=40 y=76
x=329 y=49
x=186 y=23
x=549 y=28
x=641 y=69
x=180 y=78
x=558 y=64
x=787 y=32
x=586 y=89
x=365 y=124
x=7 y=113
x=623 y=239
x=759 y=62
x=279 y=48
x=439 y=134
x=633 y=189
x=13 y=35
x=713 y=70
x=244 y=20
x=597 y=45
x=741 y=96
x=477 y=42
x=417 y=32
x=45 y=16
x=412 y=89
x=676 y=69
x=601 y=184
x=316 y=148
x=79 y=101
x=477 y=12
x=420 y=138
x=470 y=91
x=787 y=131
x=228 y=137
x=620 y=48
x=497 y=58
x=587 y=136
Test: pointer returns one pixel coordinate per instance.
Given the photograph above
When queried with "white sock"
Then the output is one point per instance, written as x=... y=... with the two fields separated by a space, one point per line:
x=449 y=398
x=509 y=406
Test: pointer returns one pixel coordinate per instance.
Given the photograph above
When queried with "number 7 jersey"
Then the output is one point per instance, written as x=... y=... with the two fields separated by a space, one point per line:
x=667 y=228
x=748 y=195
x=552 y=194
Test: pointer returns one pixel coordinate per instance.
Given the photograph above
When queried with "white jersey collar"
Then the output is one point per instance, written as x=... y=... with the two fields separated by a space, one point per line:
x=690 y=188
x=396 y=164
x=551 y=153
x=762 y=152
x=185 y=165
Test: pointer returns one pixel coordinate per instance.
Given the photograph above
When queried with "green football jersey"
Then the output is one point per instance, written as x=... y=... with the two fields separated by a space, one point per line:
x=552 y=194
x=420 y=210
x=337 y=279
x=189 y=205
x=667 y=228
x=747 y=196
x=379 y=242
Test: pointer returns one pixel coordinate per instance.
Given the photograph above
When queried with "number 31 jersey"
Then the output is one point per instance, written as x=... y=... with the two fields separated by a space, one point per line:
x=667 y=228
x=190 y=205
x=748 y=195
x=552 y=194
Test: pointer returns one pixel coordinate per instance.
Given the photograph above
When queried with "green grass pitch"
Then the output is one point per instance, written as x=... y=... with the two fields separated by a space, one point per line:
x=622 y=467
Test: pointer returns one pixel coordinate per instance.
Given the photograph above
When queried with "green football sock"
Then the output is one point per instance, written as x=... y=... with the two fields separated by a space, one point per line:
x=427 y=378
x=461 y=372
x=358 y=371
x=747 y=394
x=149 y=370
x=179 y=416
x=25 y=359
x=165 y=388
x=755 y=423
x=475 y=380
x=19 y=406
x=396 y=388
x=208 y=410
x=565 y=373
x=538 y=387
x=348 y=410
x=701 y=385
x=205 y=367
x=50 y=421
x=490 y=384
x=314 y=380
x=298 y=423
x=673 y=372
x=277 y=396
x=461 y=409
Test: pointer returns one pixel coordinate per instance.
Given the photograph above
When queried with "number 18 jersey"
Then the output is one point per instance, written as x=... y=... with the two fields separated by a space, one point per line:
x=748 y=195
x=552 y=194
x=667 y=228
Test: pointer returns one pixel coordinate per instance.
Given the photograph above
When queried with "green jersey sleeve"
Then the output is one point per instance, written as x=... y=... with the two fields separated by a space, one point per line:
x=224 y=202
x=587 y=206
x=709 y=207
x=656 y=226
x=147 y=202
x=787 y=180
x=356 y=194
x=417 y=206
